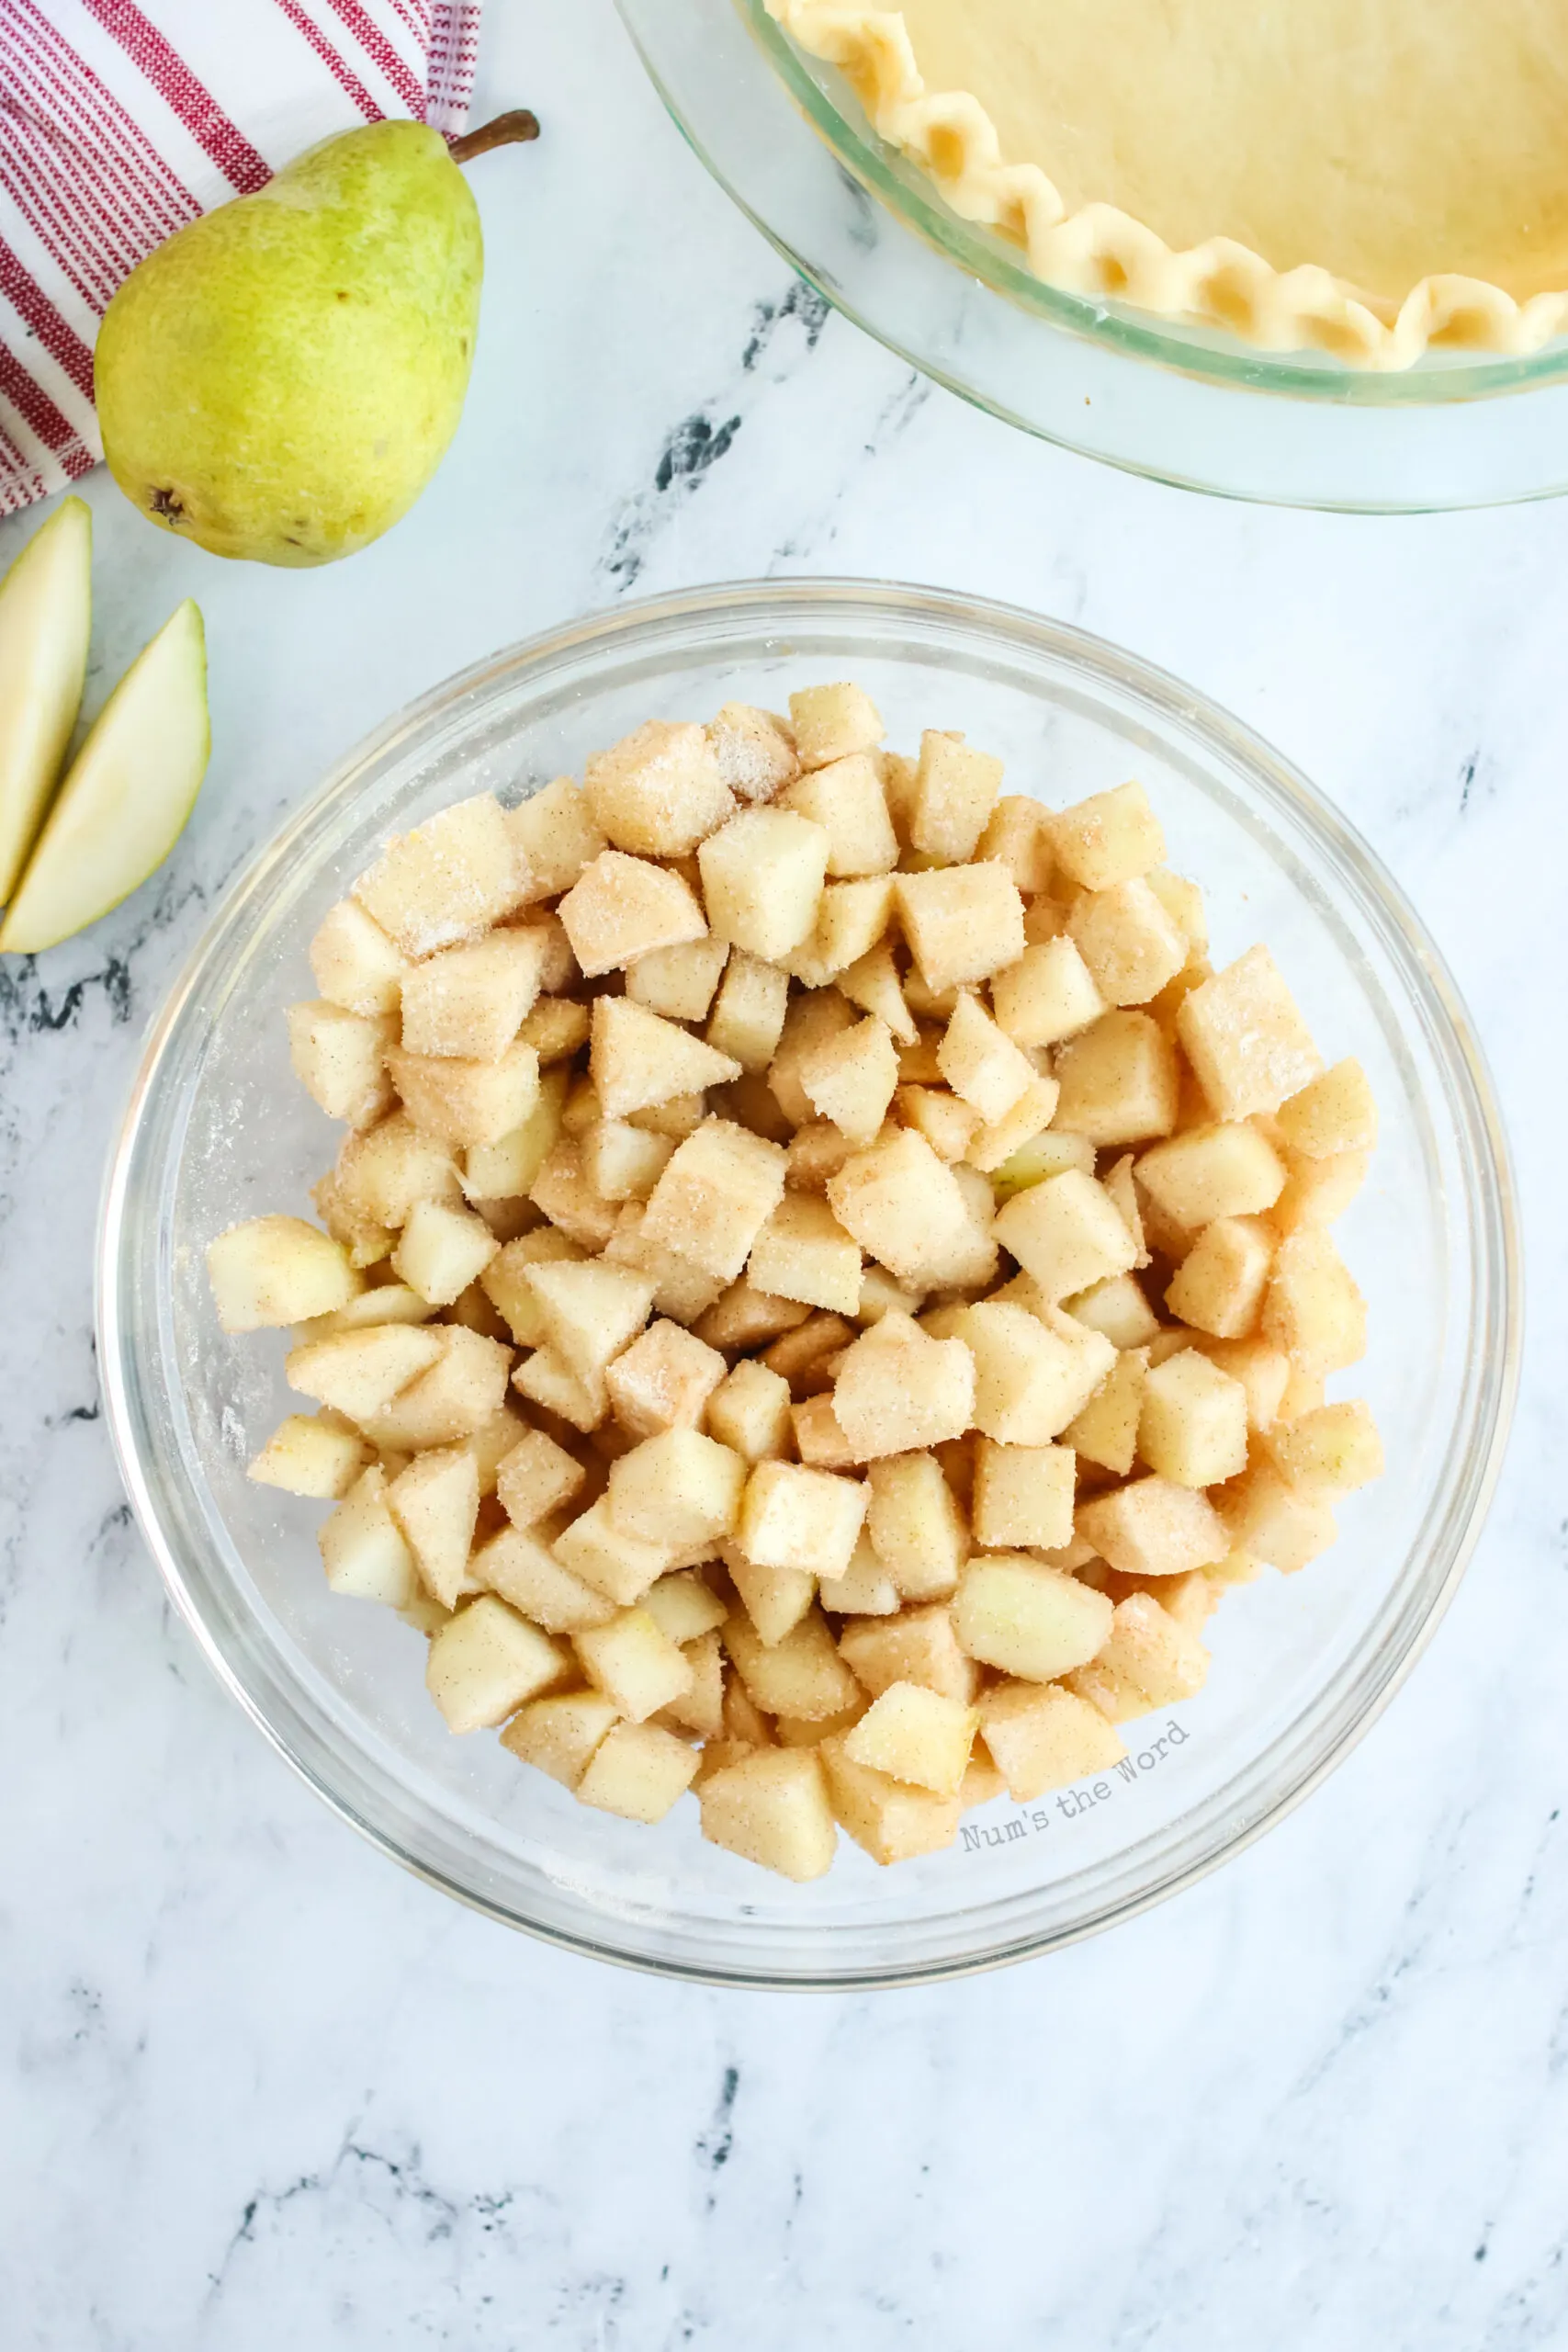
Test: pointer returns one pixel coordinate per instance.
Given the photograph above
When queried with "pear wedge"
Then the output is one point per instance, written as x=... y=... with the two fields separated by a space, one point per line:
x=125 y=801
x=46 y=613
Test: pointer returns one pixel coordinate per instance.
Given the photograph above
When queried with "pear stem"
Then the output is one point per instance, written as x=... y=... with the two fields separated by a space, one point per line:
x=505 y=131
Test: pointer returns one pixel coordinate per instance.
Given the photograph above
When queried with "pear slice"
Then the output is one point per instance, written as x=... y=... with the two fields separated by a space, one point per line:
x=46 y=612
x=131 y=788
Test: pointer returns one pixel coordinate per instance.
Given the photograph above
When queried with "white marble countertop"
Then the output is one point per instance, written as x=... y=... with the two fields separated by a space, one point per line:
x=256 y=2086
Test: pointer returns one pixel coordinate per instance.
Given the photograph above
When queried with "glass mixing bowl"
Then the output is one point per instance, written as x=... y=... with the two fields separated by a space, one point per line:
x=787 y=138
x=217 y=1129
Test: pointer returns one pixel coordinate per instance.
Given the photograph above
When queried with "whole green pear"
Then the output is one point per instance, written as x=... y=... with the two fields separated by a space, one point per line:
x=279 y=381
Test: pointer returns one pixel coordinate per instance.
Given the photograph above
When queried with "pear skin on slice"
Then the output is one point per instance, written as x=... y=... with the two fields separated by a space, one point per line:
x=129 y=790
x=46 y=613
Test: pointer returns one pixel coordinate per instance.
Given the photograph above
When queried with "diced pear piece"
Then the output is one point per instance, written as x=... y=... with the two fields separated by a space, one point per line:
x=124 y=804
x=1042 y=1736
x=560 y=1734
x=312 y=1454
x=892 y=1820
x=916 y=1734
x=276 y=1269
x=359 y=1372
x=46 y=611
x=1034 y=1622
x=435 y=1502
x=486 y=1662
x=637 y=1770
x=771 y=1808
x=362 y=1549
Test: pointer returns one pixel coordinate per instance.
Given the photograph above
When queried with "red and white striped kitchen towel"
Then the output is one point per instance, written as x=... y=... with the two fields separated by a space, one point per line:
x=122 y=119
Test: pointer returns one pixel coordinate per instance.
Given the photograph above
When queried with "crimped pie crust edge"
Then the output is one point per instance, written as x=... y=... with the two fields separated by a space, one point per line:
x=1100 y=250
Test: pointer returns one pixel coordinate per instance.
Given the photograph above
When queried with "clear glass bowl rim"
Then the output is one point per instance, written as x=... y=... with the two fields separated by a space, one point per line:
x=773 y=607
x=1441 y=379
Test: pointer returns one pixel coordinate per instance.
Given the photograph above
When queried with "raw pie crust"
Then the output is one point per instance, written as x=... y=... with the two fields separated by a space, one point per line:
x=1388 y=174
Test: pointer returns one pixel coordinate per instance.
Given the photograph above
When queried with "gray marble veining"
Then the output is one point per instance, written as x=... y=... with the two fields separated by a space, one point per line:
x=258 y=2087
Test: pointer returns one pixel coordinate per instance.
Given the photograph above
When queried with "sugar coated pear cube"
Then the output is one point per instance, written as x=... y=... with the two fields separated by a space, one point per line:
x=1109 y=838
x=872 y=981
x=832 y=722
x=278 y=1270
x=340 y=1059
x=677 y=1488
x=1023 y=1497
x=1047 y=995
x=796 y=1517
x=762 y=877
x=1332 y=1114
x=1215 y=1171
x=748 y=1016
x=638 y=1058
x=664 y=1380
x=755 y=751
x=633 y=1663
x=1269 y=1519
x=775 y=1599
x=1031 y=1378
x=470 y=1000
x=354 y=963
x=1193 y=1423
x=1128 y=942
x=714 y=1197
x=982 y=1065
x=898 y=1391
x=917 y=1646
x=963 y=923
x=364 y=1550
x=891 y=1820
x=555 y=834
x=1312 y=1308
x=658 y=792
x=1245 y=1038
x=1148 y=1660
x=914 y=1733
x=1066 y=1233
x=955 y=792
x=847 y=800
x=1033 y=1622
x=748 y=1411
x=1219 y=1285
x=1105 y=1431
x=1041 y=1736
x=359 y=1372
x=1152 y=1527
x=459 y=1394
x=559 y=1734
x=901 y=1203
x=851 y=1078
x=678 y=981
x=1331 y=1448
x=639 y=1772
x=771 y=1808
x=315 y=1455
x=1118 y=1080
x=486 y=1662
x=803 y=1253
x=461 y=1102
x=442 y=1249
x=622 y=908
x=915 y=1525
x=801 y=1675
x=435 y=1502
x=449 y=880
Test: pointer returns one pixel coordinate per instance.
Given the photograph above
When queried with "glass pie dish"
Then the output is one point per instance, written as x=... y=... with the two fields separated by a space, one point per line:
x=217 y=1130
x=789 y=141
